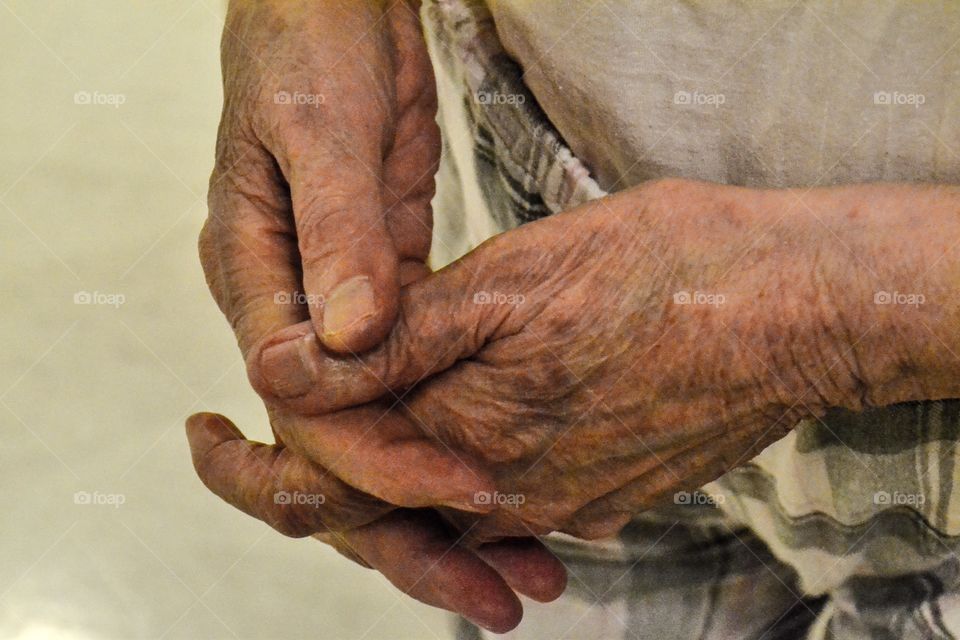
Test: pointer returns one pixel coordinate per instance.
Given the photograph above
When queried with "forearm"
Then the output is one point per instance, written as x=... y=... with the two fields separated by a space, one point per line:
x=887 y=285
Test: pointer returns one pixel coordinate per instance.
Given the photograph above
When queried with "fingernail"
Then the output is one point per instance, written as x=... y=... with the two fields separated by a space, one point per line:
x=290 y=367
x=350 y=303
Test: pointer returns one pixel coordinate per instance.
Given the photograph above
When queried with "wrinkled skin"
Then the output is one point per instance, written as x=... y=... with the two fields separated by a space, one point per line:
x=324 y=170
x=582 y=385
x=593 y=398
x=324 y=174
x=599 y=395
x=414 y=549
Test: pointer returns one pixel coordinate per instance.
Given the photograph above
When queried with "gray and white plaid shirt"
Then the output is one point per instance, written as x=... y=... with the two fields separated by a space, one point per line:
x=845 y=528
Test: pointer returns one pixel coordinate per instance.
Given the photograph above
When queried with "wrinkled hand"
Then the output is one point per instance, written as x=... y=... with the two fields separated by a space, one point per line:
x=325 y=160
x=413 y=549
x=603 y=358
x=324 y=173
x=319 y=212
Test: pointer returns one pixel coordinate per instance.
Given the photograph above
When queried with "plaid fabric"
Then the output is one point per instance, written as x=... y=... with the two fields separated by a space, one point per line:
x=846 y=528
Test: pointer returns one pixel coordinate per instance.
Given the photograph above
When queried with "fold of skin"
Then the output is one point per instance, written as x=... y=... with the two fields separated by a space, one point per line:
x=599 y=360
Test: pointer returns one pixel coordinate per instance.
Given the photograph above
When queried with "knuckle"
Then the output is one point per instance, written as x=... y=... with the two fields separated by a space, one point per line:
x=347 y=508
x=208 y=245
x=318 y=206
x=293 y=522
x=314 y=210
x=288 y=521
x=281 y=119
x=289 y=517
x=242 y=312
x=320 y=219
x=250 y=180
x=255 y=371
x=235 y=133
x=208 y=248
x=400 y=358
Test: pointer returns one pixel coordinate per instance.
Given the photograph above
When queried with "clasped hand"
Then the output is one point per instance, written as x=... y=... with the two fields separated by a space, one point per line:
x=561 y=377
x=564 y=376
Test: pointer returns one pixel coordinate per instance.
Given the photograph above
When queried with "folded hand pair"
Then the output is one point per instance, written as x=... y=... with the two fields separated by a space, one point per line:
x=563 y=376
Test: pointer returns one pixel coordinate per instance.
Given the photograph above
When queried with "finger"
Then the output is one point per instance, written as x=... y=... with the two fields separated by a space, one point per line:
x=527 y=566
x=339 y=543
x=379 y=452
x=414 y=552
x=273 y=484
x=440 y=323
x=683 y=470
x=414 y=155
x=282 y=363
x=350 y=264
x=248 y=245
x=409 y=188
x=444 y=317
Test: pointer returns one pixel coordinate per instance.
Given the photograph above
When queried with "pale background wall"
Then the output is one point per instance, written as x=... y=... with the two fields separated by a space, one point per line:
x=95 y=198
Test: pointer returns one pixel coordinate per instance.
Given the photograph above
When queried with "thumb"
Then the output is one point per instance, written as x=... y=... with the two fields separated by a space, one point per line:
x=350 y=264
x=444 y=317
